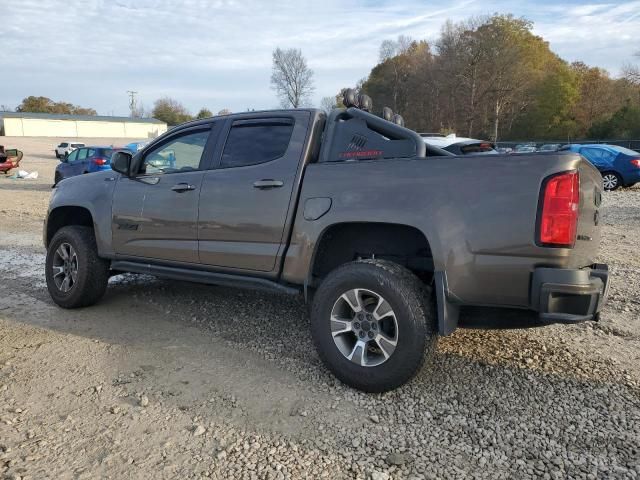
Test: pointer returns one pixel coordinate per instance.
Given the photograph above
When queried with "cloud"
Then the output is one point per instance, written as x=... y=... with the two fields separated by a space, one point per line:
x=217 y=53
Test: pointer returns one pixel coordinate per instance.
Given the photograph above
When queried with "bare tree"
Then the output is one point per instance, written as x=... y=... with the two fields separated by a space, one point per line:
x=291 y=77
x=224 y=111
x=632 y=72
x=328 y=104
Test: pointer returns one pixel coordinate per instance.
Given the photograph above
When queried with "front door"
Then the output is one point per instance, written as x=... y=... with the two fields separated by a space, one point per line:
x=245 y=200
x=155 y=213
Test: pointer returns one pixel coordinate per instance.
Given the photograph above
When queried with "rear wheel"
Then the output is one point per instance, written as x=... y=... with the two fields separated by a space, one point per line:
x=372 y=322
x=611 y=181
x=76 y=275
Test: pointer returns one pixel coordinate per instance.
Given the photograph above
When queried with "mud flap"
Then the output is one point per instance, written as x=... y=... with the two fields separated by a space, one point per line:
x=448 y=313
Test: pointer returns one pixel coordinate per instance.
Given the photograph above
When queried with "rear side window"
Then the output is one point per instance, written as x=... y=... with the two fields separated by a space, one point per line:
x=597 y=154
x=82 y=154
x=251 y=142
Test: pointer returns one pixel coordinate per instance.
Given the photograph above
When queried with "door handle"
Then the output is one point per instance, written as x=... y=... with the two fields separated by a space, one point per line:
x=267 y=183
x=182 y=187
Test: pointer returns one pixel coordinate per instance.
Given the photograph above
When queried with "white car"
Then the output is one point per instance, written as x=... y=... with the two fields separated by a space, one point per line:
x=459 y=145
x=67 y=147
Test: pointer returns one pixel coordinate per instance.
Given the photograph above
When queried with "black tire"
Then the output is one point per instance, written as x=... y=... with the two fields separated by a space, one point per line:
x=615 y=181
x=413 y=305
x=92 y=271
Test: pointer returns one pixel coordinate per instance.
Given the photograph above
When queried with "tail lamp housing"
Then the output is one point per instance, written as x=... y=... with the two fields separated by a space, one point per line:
x=100 y=161
x=559 y=210
x=635 y=162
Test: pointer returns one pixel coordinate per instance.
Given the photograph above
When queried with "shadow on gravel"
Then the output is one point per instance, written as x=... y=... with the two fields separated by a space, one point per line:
x=486 y=403
x=8 y=184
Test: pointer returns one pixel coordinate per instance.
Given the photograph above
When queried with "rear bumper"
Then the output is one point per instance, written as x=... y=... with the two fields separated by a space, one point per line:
x=569 y=296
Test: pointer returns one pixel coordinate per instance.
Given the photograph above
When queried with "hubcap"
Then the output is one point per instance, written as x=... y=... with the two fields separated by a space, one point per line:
x=610 y=181
x=65 y=267
x=364 y=327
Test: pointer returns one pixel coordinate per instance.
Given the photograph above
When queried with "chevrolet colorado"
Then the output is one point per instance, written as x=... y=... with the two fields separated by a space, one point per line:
x=385 y=236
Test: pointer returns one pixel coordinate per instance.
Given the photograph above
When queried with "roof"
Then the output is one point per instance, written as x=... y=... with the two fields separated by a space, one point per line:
x=89 y=118
x=442 y=141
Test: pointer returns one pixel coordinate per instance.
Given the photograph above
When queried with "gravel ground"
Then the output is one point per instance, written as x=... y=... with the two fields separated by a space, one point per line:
x=167 y=379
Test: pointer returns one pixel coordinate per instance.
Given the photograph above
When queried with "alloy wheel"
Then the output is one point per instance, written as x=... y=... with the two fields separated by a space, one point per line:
x=65 y=267
x=364 y=327
x=609 y=181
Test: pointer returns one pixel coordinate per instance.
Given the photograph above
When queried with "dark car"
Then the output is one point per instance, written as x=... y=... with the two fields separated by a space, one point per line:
x=619 y=166
x=83 y=160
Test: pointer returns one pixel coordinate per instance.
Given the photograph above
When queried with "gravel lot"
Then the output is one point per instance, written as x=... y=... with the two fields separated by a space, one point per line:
x=167 y=379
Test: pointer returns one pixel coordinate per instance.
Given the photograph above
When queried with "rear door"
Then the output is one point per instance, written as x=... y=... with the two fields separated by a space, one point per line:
x=155 y=213
x=245 y=199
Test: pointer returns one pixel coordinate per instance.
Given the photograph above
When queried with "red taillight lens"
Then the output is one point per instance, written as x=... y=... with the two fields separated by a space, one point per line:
x=636 y=162
x=559 y=217
x=99 y=161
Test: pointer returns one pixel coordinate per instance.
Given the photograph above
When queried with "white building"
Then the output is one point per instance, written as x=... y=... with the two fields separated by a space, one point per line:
x=19 y=124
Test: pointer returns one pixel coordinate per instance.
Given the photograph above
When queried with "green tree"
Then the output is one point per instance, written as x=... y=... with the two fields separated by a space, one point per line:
x=204 y=113
x=170 y=111
x=35 y=104
x=623 y=124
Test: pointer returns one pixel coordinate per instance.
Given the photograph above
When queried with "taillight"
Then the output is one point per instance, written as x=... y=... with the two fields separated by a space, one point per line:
x=636 y=162
x=99 y=161
x=559 y=212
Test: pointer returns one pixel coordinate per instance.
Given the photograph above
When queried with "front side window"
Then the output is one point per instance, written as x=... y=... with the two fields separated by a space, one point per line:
x=180 y=154
x=72 y=157
x=253 y=142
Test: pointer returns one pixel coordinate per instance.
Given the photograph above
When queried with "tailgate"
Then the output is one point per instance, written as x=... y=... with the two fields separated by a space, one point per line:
x=588 y=233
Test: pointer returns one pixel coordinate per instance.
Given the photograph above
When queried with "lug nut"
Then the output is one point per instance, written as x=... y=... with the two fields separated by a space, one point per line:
x=370 y=334
x=360 y=316
x=368 y=316
x=374 y=326
x=361 y=334
x=357 y=324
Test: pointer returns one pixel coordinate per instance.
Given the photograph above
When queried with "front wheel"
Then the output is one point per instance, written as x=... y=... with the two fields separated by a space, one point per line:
x=611 y=181
x=76 y=275
x=372 y=322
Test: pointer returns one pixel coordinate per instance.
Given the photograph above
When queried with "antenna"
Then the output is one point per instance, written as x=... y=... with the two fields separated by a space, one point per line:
x=132 y=102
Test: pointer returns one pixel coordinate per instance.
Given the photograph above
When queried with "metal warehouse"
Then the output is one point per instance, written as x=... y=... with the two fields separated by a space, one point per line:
x=19 y=124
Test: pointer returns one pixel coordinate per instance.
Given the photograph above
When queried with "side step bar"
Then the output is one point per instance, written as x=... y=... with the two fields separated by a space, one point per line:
x=202 y=276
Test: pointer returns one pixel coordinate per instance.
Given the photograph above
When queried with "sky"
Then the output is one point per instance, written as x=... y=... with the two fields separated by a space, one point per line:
x=217 y=53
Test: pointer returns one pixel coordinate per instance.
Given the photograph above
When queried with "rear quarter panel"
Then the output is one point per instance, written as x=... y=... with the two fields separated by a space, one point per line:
x=478 y=214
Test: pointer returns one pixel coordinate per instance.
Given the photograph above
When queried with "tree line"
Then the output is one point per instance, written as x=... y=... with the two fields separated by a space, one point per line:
x=165 y=109
x=493 y=78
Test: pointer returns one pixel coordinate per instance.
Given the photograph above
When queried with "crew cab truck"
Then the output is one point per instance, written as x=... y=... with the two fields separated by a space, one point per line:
x=385 y=236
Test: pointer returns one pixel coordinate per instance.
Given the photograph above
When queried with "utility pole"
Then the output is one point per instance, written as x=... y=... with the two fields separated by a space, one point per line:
x=132 y=102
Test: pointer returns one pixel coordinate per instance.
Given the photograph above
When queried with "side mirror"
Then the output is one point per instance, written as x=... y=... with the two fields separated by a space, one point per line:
x=65 y=159
x=121 y=162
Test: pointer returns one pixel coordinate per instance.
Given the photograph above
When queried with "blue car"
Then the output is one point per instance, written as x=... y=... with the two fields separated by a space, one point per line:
x=83 y=160
x=619 y=166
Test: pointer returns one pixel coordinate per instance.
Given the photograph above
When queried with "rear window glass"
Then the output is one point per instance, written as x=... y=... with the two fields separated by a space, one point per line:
x=63 y=145
x=105 y=152
x=626 y=151
x=478 y=148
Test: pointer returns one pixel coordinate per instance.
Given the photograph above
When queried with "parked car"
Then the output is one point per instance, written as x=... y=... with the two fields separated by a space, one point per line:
x=350 y=210
x=9 y=159
x=619 y=166
x=135 y=147
x=550 y=147
x=83 y=160
x=525 y=148
x=459 y=145
x=67 y=147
